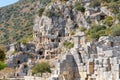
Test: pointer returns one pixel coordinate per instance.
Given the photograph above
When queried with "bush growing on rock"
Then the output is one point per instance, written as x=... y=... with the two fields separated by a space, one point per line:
x=79 y=7
x=114 y=7
x=95 y=3
x=26 y=40
x=115 y=31
x=108 y=21
x=41 y=68
x=108 y=1
x=82 y=29
x=2 y=65
x=96 y=31
x=64 y=0
x=68 y=44
x=118 y=16
x=73 y=33
x=23 y=41
x=45 y=2
x=40 y=12
x=49 y=13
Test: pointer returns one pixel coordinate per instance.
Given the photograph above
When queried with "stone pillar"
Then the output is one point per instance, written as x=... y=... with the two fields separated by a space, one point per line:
x=76 y=41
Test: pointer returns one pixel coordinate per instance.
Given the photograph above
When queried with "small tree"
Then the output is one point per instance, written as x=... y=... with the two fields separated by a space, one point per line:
x=41 y=68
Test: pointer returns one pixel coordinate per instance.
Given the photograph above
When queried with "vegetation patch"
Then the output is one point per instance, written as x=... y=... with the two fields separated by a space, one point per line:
x=73 y=33
x=40 y=11
x=114 y=7
x=95 y=3
x=2 y=65
x=49 y=13
x=68 y=44
x=96 y=31
x=118 y=16
x=79 y=7
x=45 y=2
x=83 y=29
x=108 y=21
x=41 y=68
x=115 y=31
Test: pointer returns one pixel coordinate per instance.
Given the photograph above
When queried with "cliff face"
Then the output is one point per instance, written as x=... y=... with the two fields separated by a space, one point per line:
x=59 y=19
x=54 y=30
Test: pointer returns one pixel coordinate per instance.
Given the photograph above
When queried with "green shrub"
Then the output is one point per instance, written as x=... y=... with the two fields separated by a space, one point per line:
x=41 y=68
x=2 y=65
x=68 y=44
x=23 y=41
x=115 y=31
x=82 y=29
x=114 y=7
x=102 y=33
x=63 y=0
x=118 y=16
x=73 y=33
x=79 y=7
x=89 y=20
x=40 y=12
x=108 y=21
x=27 y=39
x=108 y=1
x=108 y=31
x=94 y=36
x=95 y=3
x=49 y=13
x=96 y=31
x=45 y=2
x=109 y=18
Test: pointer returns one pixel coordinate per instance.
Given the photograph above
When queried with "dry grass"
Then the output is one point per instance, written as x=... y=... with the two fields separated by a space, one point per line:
x=6 y=72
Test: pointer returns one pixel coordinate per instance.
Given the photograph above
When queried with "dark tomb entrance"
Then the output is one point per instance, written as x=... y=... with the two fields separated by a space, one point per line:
x=18 y=62
x=41 y=52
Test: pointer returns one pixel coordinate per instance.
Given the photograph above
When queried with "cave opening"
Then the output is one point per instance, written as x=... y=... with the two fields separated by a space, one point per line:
x=18 y=62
